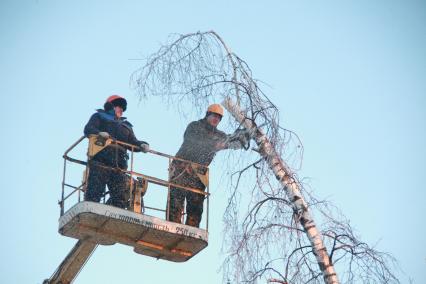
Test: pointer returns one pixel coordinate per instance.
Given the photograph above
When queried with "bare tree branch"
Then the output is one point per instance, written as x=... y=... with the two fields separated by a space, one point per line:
x=265 y=235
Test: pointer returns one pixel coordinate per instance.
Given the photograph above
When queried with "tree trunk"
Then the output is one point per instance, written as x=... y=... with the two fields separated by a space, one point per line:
x=285 y=176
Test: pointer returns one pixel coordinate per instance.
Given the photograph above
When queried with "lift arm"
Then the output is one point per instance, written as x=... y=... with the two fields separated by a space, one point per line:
x=73 y=263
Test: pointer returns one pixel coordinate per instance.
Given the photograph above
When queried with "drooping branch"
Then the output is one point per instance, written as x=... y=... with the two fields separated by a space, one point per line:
x=199 y=69
x=270 y=234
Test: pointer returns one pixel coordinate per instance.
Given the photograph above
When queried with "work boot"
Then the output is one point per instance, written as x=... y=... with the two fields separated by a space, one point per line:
x=192 y=221
x=175 y=217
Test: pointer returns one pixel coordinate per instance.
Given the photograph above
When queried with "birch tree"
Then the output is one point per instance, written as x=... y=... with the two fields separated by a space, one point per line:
x=272 y=235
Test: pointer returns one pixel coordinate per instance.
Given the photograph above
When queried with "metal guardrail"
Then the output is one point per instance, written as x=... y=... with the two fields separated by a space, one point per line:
x=131 y=173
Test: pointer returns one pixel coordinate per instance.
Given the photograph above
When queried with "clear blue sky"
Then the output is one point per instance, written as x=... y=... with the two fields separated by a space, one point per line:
x=347 y=76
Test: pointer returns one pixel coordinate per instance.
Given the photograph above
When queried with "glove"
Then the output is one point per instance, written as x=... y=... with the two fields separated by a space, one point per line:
x=104 y=135
x=144 y=147
x=239 y=139
x=234 y=145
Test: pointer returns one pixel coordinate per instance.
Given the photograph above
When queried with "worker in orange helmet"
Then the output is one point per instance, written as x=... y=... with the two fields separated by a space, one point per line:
x=201 y=141
x=105 y=167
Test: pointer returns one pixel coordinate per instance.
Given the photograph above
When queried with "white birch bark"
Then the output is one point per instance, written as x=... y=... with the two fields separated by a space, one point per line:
x=285 y=176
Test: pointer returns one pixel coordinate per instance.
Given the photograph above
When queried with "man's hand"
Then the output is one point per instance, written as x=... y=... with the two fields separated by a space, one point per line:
x=104 y=135
x=220 y=146
x=144 y=147
x=240 y=139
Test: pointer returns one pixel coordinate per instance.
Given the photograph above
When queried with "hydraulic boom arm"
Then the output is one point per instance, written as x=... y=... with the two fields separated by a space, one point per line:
x=73 y=263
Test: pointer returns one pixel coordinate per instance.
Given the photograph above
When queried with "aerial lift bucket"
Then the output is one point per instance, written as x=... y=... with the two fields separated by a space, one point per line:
x=96 y=223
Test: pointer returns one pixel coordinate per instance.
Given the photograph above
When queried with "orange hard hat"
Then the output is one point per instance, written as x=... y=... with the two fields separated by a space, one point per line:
x=215 y=108
x=115 y=100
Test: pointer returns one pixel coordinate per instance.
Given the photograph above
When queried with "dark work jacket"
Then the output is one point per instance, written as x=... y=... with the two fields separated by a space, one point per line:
x=200 y=142
x=119 y=129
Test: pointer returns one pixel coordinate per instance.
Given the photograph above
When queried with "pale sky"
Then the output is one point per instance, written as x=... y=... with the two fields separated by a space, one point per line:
x=347 y=76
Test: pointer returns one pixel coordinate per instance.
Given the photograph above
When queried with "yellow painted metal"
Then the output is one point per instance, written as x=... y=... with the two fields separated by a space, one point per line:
x=139 y=190
x=73 y=263
x=202 y=173
x=137 y=207
x=97 y=144
x=160 y=248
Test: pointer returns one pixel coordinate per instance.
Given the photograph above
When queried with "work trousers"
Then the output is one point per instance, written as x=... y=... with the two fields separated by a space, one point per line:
x=194 y=201
x=100 y=176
